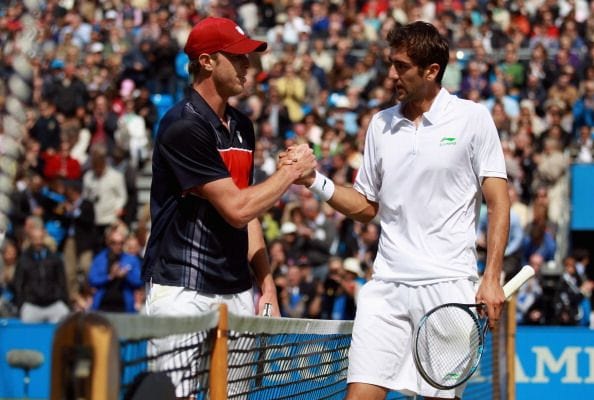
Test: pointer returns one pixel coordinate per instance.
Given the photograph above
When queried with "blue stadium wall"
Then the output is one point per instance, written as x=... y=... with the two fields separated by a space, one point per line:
x=582 y=207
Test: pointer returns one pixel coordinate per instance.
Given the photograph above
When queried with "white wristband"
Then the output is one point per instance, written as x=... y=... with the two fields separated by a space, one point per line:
x=322 y=186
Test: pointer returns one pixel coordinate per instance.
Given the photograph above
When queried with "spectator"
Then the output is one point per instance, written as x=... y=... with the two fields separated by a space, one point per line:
x=474 y=79
x=539 y=66
x=8 y=261
x=69 y=92
x=135 y=62
x=551 y=168
x=583 y=108
x=341 y=288
x=452 y=78
x=298 y=298
x=59 y=164
x=122 y=163
x=40 y=282
x=563 y=88
x=46 y=129
x=531 y=306
x=146 y=109
x=105 y=187
x=132 y=135
x=512 y=69
x=539 y=240
x=80 y=241
x=163 y=79
x=501 y=95
x=115 y=275
x=570 y=292
x=291 y=88
x=103 y=122
x=278 y=258
x=318 y=233
x=534 y=91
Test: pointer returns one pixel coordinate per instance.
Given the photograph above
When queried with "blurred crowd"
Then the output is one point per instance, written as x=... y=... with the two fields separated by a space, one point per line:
x=88 y=80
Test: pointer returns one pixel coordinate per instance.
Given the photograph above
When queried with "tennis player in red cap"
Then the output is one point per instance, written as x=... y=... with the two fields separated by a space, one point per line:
x=206 y=242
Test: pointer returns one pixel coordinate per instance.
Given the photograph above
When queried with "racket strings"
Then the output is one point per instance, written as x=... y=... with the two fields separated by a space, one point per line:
x=448 y=345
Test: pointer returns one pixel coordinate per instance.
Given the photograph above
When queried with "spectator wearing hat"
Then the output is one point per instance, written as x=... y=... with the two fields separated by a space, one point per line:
x=292 y=242
x=341 y=287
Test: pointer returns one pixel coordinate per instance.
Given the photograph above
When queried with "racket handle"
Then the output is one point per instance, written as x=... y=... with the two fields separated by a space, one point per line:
x=267 y=312
x=518 y=280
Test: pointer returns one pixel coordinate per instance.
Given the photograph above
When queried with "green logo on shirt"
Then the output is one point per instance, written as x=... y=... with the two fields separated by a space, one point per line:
x=447 y=141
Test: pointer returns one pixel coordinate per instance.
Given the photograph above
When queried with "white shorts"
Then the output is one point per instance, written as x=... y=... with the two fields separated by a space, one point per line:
x=179 y=301
x=387 y=315
x=176 y=301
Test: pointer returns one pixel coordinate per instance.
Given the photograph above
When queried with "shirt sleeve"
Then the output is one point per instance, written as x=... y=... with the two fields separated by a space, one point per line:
x=190 y=149
x=488 y=157
x=368 y=181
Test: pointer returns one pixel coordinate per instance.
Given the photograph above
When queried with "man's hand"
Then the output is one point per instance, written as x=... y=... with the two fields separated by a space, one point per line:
x=270 y=299
x=491 y=294
x=302 y=158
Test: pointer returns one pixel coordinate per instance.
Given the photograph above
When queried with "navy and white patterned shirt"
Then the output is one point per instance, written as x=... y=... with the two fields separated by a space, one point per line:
x=190 y=244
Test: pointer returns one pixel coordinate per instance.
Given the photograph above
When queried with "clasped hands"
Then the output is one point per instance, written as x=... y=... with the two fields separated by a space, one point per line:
x=302 y=160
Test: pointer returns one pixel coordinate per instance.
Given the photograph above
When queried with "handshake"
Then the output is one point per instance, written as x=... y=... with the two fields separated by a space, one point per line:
x=301 y=160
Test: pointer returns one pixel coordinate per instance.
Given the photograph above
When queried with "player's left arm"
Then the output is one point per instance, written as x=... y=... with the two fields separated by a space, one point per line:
x=498 y=205
x=258 y=258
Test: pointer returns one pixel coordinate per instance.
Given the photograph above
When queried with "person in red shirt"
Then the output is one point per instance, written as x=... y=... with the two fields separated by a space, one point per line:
x=60 y=164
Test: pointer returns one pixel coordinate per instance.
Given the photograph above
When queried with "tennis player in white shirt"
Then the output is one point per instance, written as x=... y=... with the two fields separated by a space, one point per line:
x=427 y=162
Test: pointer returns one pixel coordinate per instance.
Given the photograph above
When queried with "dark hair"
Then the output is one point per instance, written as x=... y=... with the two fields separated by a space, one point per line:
x=423 y=44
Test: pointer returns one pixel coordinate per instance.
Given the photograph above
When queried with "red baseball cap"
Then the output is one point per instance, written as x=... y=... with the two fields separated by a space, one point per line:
x=212 y=35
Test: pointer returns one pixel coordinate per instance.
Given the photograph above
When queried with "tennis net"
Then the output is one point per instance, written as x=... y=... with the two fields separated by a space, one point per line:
x=265 y=358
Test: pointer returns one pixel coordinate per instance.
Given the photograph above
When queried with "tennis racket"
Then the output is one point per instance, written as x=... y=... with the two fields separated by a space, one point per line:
x=449 y=340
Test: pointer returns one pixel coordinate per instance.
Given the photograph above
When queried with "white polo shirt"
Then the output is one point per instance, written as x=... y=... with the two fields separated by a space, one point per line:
x=427 y=180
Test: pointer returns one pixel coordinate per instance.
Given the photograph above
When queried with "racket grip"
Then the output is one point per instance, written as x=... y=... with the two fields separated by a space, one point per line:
x=267 y=312
x=518 y=280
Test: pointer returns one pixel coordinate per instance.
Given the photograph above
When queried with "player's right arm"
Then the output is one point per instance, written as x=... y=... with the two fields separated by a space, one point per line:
x=240 y=206
x=189 y=148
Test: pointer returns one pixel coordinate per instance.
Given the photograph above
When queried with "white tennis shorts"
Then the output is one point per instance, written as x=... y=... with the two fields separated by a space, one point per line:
x=387 y=315
x=179 y=301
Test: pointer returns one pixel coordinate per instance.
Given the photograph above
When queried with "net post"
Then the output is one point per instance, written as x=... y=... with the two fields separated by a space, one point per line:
x=85 y=359
x=511 y=348
x=218 y=364
x=496 y=361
